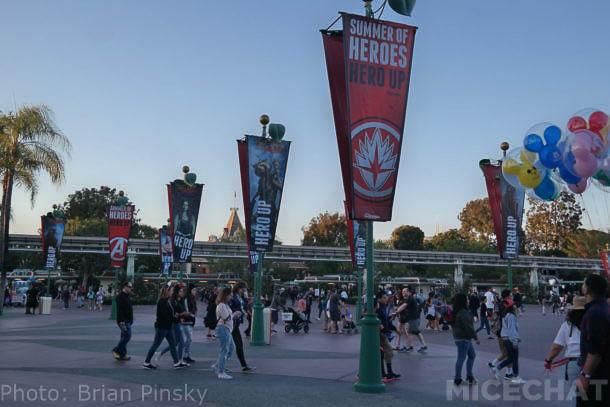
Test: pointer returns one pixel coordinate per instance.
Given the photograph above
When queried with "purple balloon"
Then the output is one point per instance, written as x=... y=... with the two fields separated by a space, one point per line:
x=579 y=187
x=585 y=165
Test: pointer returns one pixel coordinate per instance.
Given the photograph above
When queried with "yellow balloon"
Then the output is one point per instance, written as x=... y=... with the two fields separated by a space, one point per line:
x=511 y=166
x=529 y=176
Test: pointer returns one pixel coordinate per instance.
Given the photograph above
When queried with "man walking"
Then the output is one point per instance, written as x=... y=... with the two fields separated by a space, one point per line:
x=237 y=306
x=124 y=319
x=594 y=361
x=411 y=306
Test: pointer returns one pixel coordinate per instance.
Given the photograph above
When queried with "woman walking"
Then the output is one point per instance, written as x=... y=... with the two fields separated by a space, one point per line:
x=188 y=322
x=224 y=327
x=177 y=292
x=568 y=341
x=163 y=330
x=510 y=339
x=463 y=335
x=210 y=317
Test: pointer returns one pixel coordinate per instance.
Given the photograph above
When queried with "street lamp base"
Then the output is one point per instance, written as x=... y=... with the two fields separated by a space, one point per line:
x=369 y=388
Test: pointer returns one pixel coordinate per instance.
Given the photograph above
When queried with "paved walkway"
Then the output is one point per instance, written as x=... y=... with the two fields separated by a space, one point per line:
x=65 y=357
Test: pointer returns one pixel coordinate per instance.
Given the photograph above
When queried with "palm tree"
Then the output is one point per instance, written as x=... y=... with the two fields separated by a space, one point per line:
x=30 y=143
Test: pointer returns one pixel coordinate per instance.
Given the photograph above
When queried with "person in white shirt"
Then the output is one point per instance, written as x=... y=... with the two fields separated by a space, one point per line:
x=568 y=341
x=224 y=316
x=490 y=301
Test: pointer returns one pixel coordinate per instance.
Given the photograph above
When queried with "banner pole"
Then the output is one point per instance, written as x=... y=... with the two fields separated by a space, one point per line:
x=510 y=274
x=49 y=283
x=258 y=335
x=114 y=294
x=370 y=360
x=359 y=300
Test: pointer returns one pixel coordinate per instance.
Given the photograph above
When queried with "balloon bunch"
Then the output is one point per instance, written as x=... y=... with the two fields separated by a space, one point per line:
x=552 y=160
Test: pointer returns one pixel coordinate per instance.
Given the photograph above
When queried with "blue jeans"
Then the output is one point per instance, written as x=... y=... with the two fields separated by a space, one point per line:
x=187 y=336
x=513 y=357
x=484 y=324
x=179 y=340
x=121 y=348
x=464 y=348
x=161 y=334
x=227 y=346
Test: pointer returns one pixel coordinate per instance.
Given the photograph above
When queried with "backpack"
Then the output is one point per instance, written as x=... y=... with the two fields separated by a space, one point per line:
x=449 y=317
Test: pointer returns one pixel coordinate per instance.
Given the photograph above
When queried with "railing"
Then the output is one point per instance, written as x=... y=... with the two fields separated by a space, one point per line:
x=149 y=247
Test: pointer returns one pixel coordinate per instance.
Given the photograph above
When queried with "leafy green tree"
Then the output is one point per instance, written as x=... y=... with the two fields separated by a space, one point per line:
x=453 y=241
x=587 y=243
x=407 y=237
x=326 y=229
x=30 y=143
x=549 y=224
x=476 y=221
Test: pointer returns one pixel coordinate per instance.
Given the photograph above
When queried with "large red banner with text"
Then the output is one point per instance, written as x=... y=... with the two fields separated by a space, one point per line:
x=119 y=225
x=377 y=58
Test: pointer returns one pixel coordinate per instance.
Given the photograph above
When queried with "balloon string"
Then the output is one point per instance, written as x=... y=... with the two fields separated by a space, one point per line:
x=586 y=210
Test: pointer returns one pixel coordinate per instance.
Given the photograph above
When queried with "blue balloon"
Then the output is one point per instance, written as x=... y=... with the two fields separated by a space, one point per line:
x=566 y=175
x=552 y=134
x=550 y=156
x=533 y=142
x=546 y=189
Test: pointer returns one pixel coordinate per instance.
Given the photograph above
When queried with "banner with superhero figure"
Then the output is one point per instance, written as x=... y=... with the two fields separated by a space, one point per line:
x=263 y=168
x=52 y=235
x=356 y=234
x=166 y=250
x=369 y=108
x=119 y=226
x=184 y=202
x=506 y=205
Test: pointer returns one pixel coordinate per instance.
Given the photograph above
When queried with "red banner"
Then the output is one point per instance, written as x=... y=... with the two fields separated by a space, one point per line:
x=378 y=56
x=368 y=67
x=119 y=225
x=492 y=174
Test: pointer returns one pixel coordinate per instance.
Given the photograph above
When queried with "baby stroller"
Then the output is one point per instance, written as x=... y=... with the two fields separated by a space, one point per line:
x=294 y=321
x=348 y=323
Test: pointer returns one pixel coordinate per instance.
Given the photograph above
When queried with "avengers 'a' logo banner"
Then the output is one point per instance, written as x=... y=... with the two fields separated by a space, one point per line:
x=166 y=250
x=52 y=235
x=263 y=168
x=375 y=65
x=184 y=201
x=356 y=234
x=506 y=204
x=119 y=225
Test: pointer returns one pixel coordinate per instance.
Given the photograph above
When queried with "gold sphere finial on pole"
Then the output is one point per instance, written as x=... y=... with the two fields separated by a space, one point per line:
x=186 y=169
x=264 y=119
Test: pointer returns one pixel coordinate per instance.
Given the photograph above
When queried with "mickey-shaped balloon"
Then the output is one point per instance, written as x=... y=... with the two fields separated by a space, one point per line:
x=596 y=122
x=520 y=171
x=549 y=153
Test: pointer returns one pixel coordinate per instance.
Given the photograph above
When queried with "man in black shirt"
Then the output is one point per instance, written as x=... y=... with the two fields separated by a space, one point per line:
x=412 y=309
x=124 y=319
x=594 y=345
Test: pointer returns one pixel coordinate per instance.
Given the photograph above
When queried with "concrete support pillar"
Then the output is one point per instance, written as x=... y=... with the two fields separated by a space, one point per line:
x=188 y=267
x=458 y=273
x=131 y=265
x=534 y=285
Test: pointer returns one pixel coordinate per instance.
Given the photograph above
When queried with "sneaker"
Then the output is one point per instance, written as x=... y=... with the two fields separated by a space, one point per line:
x=184 y=362
x=409 y=349
x=180 y=365
x=394 y=375
x=248 y=369
x=126 y=357
x=149 y=366
x=508 y=376
x=189 y=360
x=458 y=382
x=422 y=349
x=491 y=365
x=517 y=380
x=386 y=379
x=495 y=372
x=116 y=355
x=157 y=356
x=224 y=376
x=471 y=380
x=318 y=318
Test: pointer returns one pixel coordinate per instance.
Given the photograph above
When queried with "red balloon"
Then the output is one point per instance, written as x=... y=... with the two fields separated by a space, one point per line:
x=577 y=123
x=598 y=120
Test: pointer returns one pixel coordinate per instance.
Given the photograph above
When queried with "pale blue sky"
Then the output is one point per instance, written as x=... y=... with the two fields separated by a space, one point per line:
x=143 y=87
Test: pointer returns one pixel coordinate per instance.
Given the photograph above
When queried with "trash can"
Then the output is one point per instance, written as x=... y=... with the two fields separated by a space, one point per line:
x=45 y=303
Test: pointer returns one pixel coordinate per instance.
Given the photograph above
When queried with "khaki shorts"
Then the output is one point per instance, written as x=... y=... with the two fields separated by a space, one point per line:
x=388 y=353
